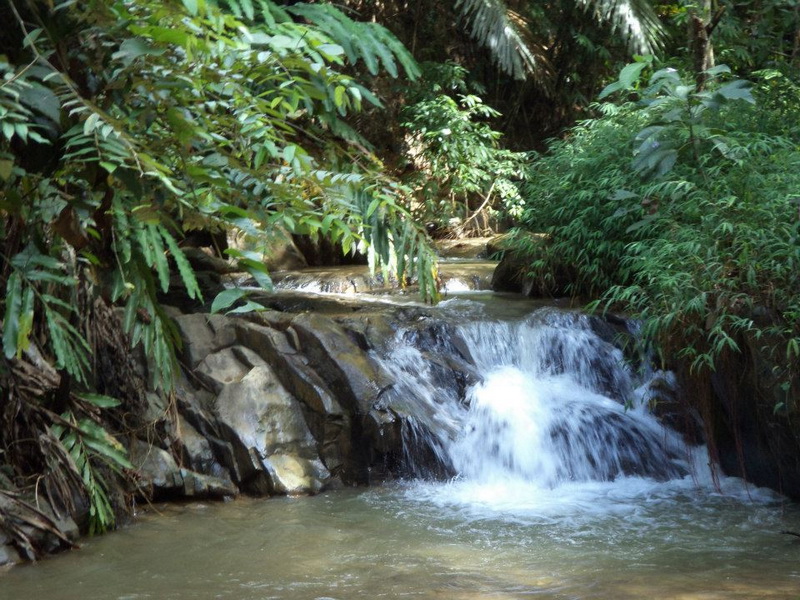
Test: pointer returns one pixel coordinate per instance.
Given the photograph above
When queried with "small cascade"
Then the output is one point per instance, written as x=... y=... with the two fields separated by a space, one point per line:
x=551 y=401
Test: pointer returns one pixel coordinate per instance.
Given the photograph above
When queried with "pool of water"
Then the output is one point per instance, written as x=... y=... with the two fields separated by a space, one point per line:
x=629 y=539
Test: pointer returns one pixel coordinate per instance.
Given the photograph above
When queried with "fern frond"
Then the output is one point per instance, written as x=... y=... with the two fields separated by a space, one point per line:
x=71 y=349
x=184 y=268
x=634 y=19
x=160 y=256
x=507 y=36
x=370 y=42
x=84 y=442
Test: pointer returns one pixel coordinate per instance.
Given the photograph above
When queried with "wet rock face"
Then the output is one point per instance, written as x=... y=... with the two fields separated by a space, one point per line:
x=283 y=403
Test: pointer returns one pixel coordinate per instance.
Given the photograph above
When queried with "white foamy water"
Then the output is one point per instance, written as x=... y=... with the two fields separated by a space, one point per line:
x=557 y=427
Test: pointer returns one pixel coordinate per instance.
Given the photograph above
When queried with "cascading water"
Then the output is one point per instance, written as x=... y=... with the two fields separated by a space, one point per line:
x=553 y=402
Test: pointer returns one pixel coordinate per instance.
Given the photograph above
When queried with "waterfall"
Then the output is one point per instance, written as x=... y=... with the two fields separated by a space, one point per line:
x=546 y=400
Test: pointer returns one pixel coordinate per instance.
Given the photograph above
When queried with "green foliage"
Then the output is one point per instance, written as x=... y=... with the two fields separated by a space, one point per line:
x=460 y=163
x=493 y=24
x=518 y=41
x=680 y=123
x=183 y=131
x=125 y=126
x=370 y=42
x=704 y=243
x=88 y=444
x=755 y=35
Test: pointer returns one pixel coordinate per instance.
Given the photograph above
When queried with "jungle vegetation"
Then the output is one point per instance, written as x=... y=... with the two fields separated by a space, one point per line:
x=128 y=126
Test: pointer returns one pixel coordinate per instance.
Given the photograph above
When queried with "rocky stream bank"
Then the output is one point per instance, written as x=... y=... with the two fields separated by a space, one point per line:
x=297 y=399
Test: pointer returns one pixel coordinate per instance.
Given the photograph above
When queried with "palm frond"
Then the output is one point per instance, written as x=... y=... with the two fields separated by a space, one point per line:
x=507 y=36
x=636 y=20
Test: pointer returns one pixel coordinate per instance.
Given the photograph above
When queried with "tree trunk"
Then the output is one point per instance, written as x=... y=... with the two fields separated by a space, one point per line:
x=701 y=25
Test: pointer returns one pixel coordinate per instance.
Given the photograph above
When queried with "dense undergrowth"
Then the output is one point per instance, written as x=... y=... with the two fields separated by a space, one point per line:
x=124 y=128
x=681 y=207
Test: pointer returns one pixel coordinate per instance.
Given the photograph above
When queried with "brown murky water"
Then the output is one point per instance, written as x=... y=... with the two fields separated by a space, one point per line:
x=426 y=541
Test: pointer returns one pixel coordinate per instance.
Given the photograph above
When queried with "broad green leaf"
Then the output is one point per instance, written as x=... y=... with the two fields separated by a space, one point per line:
x=717 y=70
x=627 y=77
x=262 y=278
x=133 y=48
x=30 y=39
x=226 y=298
x=249 y=306
x=331 y=50
x=737 y=90
x=90 y=123
x=42 y=100
x=179 y=37
x=8 y=129
x=339 y=96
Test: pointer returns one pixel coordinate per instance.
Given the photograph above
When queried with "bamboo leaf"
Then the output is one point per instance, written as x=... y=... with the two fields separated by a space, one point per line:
x=184 y=268
x=100 y=400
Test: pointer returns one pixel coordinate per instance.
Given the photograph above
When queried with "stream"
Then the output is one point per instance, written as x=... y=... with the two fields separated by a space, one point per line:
x=416 y=540
x=567 y=487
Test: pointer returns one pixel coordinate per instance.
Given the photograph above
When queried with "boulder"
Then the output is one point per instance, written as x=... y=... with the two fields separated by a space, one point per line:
x=204 y=334
x=261 y=419
x=225 y=366
x=279 y=253
x=205 y=260
x=342 y=364
x=327 y=421
x=473 y=247
x=198 y=453
x=161 y=477
x=508 y=276
x=322 y=252
x=8 y=554
x=206 y=486
x=159 y=472
x=293 y=475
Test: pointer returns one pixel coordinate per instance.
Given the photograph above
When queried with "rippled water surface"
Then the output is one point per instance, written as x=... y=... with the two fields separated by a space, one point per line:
x=628 y=539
